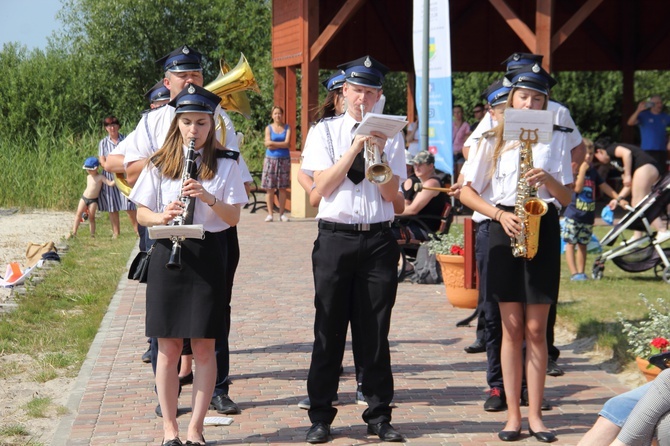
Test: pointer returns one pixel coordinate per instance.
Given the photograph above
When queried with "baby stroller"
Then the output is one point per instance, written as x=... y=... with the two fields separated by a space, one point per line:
x=643 y=253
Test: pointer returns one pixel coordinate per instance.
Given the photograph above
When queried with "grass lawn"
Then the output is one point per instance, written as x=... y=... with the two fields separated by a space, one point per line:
x=590 y=308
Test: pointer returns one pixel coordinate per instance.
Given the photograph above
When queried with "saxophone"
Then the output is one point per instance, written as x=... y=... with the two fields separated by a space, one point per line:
x=528 y=207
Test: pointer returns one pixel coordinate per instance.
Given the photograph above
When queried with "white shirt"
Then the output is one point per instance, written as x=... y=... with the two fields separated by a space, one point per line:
x=349 y=202
x=552 y=158
x=151 y=131
x=227 y=186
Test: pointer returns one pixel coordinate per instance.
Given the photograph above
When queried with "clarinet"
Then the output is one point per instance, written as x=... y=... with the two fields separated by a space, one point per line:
x=175 y=255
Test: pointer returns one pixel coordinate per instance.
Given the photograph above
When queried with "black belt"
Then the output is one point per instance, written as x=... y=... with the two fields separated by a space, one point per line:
x=355 y=227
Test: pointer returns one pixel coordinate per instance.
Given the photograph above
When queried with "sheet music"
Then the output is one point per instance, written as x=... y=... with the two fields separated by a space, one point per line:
x=541 y=121
x=388 y=125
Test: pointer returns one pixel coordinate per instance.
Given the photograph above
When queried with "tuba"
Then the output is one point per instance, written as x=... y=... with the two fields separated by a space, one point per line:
x=528 y=207
x=376 y=170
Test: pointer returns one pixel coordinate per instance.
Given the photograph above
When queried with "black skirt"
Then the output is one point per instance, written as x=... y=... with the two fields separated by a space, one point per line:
x=188 y=303
x=514 y=279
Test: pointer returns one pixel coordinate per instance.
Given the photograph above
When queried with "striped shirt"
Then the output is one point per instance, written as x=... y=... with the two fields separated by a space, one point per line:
x=110 y=199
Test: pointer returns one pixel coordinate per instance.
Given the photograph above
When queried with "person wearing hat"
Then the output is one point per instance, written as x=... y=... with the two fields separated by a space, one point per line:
x=489 y=330
x=183 y=66
x=355 y=255
x=524 y=289
x=88 y=203
x=423 y=203
x=217 y=193
x=158 y=95
x=332 y=106
x=111 y=200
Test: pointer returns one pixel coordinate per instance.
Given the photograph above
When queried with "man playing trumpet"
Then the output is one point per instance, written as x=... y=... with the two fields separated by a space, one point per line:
x=355 y=255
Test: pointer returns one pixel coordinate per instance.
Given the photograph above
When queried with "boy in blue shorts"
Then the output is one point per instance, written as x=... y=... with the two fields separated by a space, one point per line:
x=580 y=214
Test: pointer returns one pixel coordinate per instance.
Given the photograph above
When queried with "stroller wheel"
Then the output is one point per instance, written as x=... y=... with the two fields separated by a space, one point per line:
x=598 y=268
x=666 y=274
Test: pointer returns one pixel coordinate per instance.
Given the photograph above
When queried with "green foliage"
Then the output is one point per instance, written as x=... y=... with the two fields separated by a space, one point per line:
x=640 y=335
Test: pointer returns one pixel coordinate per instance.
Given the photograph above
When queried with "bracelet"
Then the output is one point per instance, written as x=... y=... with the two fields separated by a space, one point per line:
x=210 y=205
x=498 y=215
x=618 y=199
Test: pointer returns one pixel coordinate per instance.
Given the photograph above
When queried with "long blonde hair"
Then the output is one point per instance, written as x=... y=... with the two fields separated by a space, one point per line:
x=169 y=159
x=499 y=130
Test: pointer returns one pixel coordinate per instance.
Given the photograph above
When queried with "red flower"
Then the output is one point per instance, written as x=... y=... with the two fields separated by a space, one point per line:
x=660 y=343
x=458 y=251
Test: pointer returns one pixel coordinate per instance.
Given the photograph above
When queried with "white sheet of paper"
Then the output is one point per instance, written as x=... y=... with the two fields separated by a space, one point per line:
x=389 y=125
x=530 y=122
x=218 y=421
x=167 y=231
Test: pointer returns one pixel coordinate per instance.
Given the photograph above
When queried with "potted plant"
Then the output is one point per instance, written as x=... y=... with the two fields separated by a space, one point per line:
x=448 y=250
x=648 y=337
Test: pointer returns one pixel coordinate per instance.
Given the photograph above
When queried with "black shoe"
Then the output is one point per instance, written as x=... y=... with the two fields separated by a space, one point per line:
x=174 y=442
x=146 y=357
x=477 y=347
x=224 y=405
x=553 y=369
x=197 y=443
x=188 y=379
x=524 y=401
x=543 y=437
x=496 y=401
x=509 y=435
x=158 y=411
x=318 y=433
x=385 y=432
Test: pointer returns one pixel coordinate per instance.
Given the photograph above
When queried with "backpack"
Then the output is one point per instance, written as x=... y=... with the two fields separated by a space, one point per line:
x=426 y=268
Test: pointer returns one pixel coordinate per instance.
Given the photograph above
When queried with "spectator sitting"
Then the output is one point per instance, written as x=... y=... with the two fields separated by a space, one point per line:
x=425 y=202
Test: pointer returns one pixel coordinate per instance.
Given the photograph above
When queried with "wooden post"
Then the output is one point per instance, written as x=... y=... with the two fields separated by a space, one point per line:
x=469 y=237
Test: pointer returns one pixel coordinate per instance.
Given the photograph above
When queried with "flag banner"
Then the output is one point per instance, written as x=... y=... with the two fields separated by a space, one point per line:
x=439 y=75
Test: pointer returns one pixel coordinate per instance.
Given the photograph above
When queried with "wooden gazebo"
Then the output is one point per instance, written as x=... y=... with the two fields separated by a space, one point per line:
x=573 y=35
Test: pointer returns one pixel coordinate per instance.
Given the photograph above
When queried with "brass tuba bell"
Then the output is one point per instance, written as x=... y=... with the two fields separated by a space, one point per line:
x=230 y=85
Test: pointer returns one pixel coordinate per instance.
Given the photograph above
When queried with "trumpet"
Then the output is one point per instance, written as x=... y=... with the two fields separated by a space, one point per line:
x=418 y=187
x=174 y=262
x=376 y=170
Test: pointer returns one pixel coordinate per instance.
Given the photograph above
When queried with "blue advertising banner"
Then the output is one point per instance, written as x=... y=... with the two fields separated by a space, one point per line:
x=439 y=74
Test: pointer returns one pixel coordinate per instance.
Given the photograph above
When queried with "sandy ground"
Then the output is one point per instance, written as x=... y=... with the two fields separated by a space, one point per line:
x=17 y=384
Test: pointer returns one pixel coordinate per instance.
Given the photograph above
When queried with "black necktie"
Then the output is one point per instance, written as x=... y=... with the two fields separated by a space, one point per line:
x=356 y=172
x=193 y=173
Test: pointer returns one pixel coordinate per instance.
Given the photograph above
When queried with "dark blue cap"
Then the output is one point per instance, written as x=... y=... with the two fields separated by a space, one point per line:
x=194 y=99
x=532 y=77
x=366 y=71
x=496 y=93
x=519 y=59
x=334 y=82
x=158 y=92
x=181 y=59
x=91 y=163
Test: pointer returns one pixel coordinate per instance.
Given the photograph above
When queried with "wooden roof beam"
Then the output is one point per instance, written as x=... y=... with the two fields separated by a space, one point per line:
x=341 y=18
x=571 y=25
x=518 y=26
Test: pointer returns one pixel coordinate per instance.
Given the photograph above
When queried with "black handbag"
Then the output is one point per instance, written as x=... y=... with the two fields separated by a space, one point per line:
x=140 y=266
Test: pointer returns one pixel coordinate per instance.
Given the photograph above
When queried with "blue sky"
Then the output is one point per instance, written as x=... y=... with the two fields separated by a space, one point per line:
x=29 y=22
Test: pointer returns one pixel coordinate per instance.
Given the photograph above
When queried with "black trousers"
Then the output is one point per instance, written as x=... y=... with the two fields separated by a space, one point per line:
x=355 y=282
x=230 y=246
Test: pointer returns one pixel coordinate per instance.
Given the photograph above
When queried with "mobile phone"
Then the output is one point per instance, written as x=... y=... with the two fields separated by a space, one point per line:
x=649 y=104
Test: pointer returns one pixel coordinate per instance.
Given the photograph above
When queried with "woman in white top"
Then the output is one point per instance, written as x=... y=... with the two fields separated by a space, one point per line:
x=524 y=289
x=188 y=302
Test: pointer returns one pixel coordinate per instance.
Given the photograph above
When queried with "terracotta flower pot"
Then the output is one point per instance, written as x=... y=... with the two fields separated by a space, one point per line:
x=649 y=372
x=453 y=275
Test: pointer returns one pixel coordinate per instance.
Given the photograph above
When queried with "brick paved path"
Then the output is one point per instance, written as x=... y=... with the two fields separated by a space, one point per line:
x=439 y=388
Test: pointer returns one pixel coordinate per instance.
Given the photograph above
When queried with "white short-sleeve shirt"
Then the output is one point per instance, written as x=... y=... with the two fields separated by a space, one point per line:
x=227 y=186
x=349 y=202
